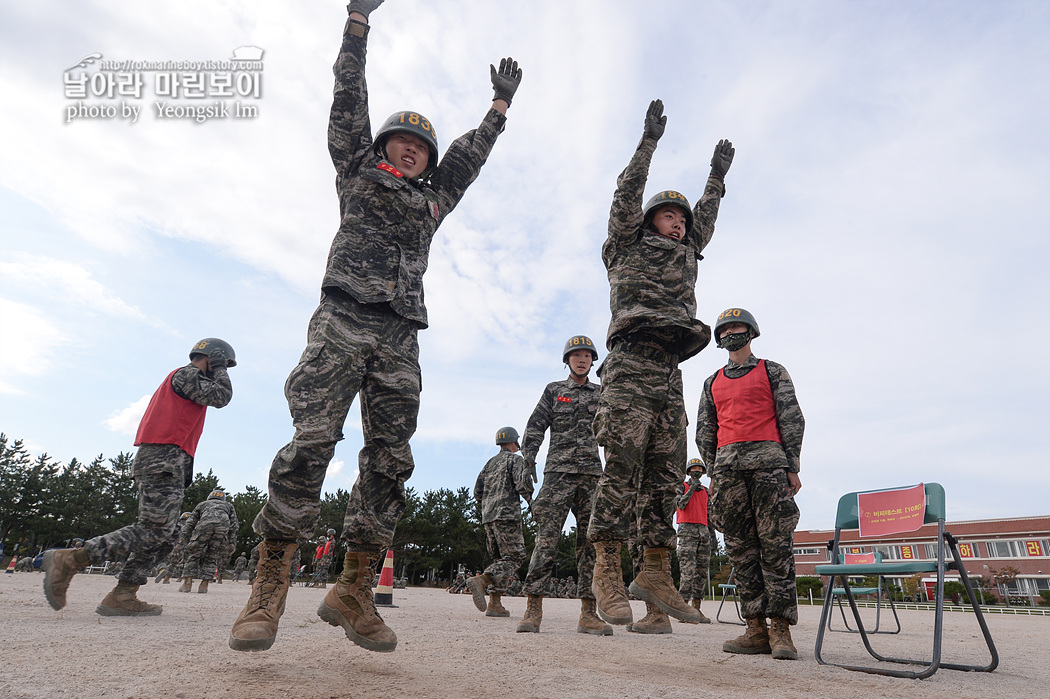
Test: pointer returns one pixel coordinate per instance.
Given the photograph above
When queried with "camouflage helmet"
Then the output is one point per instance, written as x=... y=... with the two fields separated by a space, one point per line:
x=184 y=515
x=578 y=342
x=695 y=462
x=734 y=315
x=330 y=532
x=413 y=123
x=217 y=494
x=668 y=197
x=507 y=435
x=206 y=345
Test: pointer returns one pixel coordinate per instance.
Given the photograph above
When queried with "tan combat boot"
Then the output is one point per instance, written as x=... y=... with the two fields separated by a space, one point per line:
x=654 y=621
x=495 y=608
x=610 y=596
x=203 y=587
x=754 y=641
x=530 y=623
x=59 y=567
x=695 y=604
x=187 y=584
x=167 y=579
x=121 y=601
x=350 y=604
x=256 y=627
x=589 y=621
x=780 y=640
x=477 y=585
x=654 y=584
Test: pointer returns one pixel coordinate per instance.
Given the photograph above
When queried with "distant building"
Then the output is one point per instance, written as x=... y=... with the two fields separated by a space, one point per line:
x=986 y=545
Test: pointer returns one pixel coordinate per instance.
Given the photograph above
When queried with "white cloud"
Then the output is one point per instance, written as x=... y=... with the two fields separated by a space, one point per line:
x=32 y=340
x=127 y=421
x=71 y=283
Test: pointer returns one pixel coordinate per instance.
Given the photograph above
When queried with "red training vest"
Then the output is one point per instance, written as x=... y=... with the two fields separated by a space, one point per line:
x=745 y=407
x=171 y=419
x=696 y=511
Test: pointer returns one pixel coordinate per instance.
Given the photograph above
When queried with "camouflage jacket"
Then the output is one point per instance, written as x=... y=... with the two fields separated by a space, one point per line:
x=504 y=477
x=567 y=409
x=750 y=456
x=387 y=222
x=652 y=279
x=212 y=511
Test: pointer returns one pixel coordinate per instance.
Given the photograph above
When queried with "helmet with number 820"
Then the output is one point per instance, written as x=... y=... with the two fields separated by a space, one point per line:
x=736 y=315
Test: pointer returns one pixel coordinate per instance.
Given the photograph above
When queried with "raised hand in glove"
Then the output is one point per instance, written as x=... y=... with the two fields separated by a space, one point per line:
x=505 y=81
x=655 y=121
x=217 y=358
x=722 y=158
x=363 y=6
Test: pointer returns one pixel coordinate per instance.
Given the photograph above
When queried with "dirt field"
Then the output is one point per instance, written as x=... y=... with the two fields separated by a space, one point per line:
x=447 y=649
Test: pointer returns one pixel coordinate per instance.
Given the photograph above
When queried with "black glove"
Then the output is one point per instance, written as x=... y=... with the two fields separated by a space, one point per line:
x=363 y=6
x=655 y=121
x=217 y=358
x=722 y=158
x=505 y=81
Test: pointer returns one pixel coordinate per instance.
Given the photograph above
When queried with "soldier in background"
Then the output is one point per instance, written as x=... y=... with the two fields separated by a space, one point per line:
x=173 y=562
x=504 y=478
x=695 y=536
x=253 y=563
x=238 y=567
x=206 y=538
x=651 y=256
x=323 y=560
x=167 y=439
x=394 y=192
x=570 y=480
x=750 y=429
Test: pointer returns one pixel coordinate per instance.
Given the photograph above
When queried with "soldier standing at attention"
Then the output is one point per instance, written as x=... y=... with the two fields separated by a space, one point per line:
x=651 y=256
x=504 y=478
x=750 y=428
x=362 y=339
x=167 y=439
x=695 y=536
x=238 y=567
x=570 y=479
x=206 y=538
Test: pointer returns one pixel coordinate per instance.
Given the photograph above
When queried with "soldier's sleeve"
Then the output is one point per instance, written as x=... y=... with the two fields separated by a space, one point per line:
x=462 y=161
x=349 y=130
x=538 y=424
x=522 y=479
x=790 y=421
x=234 y=525
x=479 y=489
x=705 y=212
x=625 y=217
x=191 y=383
x=707 y=425
x=683 y=495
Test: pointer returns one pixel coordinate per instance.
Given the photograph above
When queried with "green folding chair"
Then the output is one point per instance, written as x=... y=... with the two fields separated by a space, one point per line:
x=847 y=517
x=729 y=588
x=880 y=586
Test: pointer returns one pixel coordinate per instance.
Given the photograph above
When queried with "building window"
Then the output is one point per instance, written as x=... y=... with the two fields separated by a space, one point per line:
x=889 y=553
x=1005 y=549
x=931 y=551
x=808 y=552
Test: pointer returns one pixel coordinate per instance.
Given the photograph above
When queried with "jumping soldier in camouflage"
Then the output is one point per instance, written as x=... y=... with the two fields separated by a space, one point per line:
x=504 y=478
x=651 y=255
x=570 y=479
x=163 y=468
x=362 y=339
x=750 y=429
x=206 y=538
x=695 y=536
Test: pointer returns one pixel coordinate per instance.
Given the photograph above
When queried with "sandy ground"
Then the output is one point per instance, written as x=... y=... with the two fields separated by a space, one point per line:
x=448 y=649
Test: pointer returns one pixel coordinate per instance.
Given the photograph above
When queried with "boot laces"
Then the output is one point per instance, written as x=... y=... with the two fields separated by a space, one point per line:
x=268 y=580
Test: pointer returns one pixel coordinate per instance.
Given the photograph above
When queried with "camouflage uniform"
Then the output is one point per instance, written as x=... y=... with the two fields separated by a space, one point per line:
x=253 y=563
x=207 y=535
x=162 y=473
x=694 y=547
x=504 y=478
x=362 y=338
x=641 y=420
x=752 y=503
x=570 y=477
x=238 y=566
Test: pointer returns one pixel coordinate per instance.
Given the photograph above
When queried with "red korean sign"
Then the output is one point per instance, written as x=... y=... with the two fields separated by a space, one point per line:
x=1034 y=548
x=967 y=550
x=858 y=558
x=908 y=553
x=891 y=511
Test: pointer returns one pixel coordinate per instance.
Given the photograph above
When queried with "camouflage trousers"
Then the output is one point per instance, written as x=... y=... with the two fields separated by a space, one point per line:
x=238 y=570
x=641 y=423
x=756 y=512
x=505 y=543
x=148 y=539
x=205 y=550
x=560 y=494
x=352 y=349
x=694 y=558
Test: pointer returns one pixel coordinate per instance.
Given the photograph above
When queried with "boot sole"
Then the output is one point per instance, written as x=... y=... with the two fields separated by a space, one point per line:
x=102 y=610
x=498 y=614
x=595 y=632
x=333 y=617
x=647 y=596
x=727 y=648
x=617 y=620
x=479 y=596
x=528 y=628
x=634 y=629
x=251 y=644
x=48 y=565
x=784 y=655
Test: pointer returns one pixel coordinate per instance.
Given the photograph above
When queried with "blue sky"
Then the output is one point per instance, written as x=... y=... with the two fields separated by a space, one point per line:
x=884 y=222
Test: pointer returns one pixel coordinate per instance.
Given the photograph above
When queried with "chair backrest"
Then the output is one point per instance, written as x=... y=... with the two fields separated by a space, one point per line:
x=847 y=516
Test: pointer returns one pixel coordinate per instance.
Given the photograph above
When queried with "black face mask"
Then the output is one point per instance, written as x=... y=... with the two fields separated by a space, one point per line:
x=734 y=341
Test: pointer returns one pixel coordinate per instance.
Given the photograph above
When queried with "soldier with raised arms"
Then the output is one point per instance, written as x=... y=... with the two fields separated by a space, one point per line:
x=393 y=192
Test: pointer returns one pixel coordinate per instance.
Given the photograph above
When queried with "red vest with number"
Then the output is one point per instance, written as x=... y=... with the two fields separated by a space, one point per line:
x=745 y=407
x=171 y=419
x=696 y=511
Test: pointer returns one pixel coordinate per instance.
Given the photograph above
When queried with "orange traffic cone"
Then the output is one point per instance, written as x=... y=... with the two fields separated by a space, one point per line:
x=385 y=589
x=11 y=565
